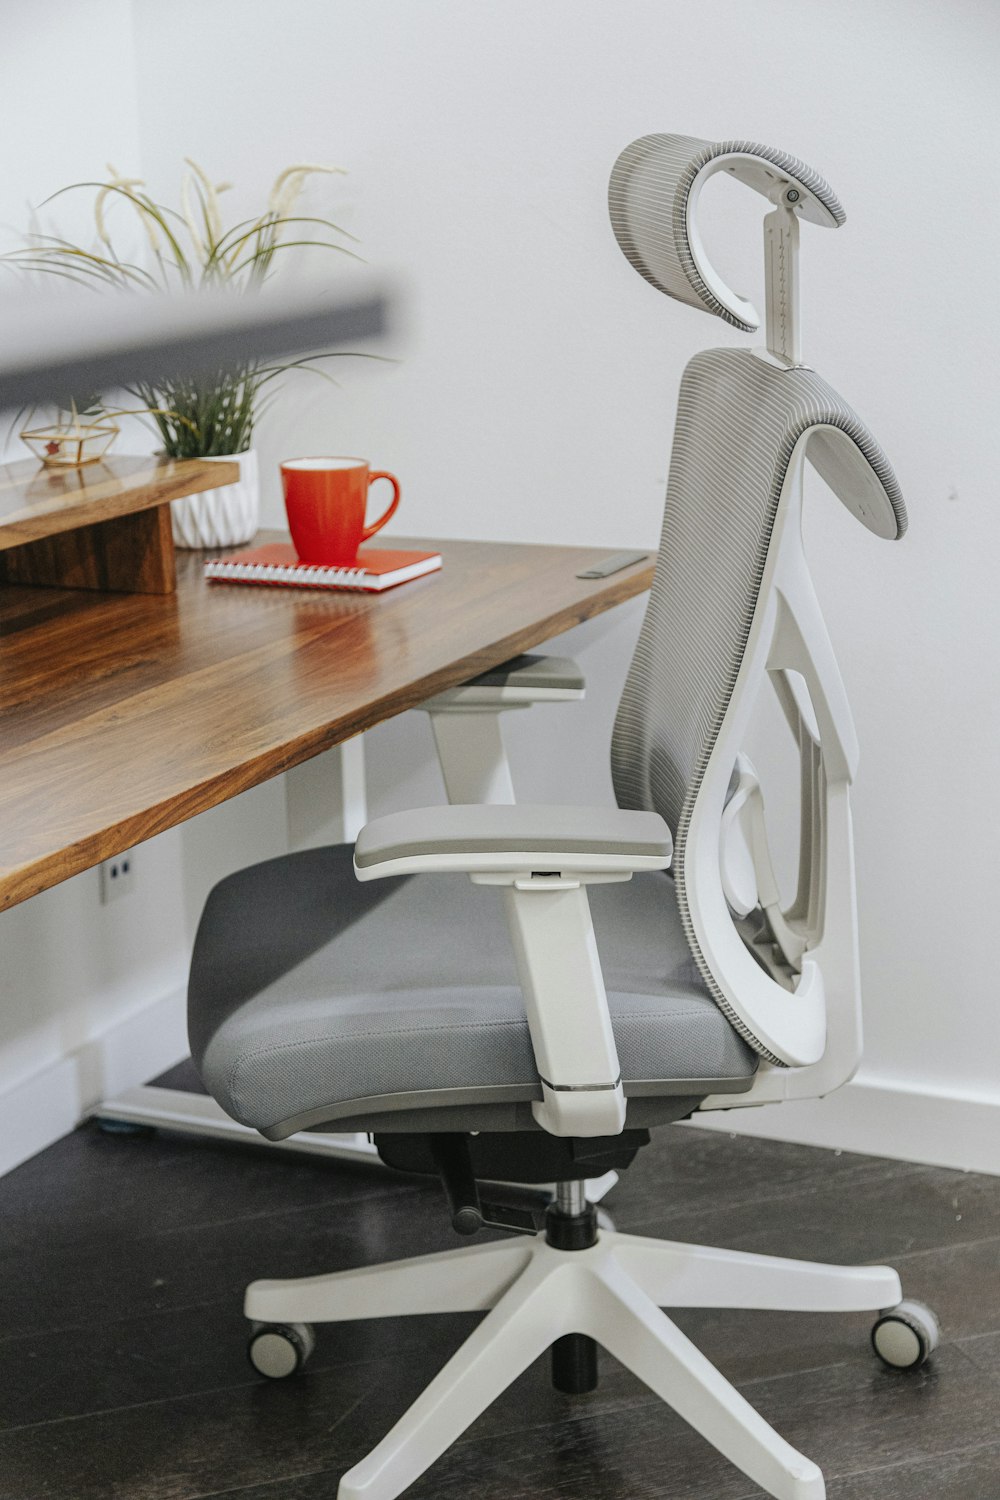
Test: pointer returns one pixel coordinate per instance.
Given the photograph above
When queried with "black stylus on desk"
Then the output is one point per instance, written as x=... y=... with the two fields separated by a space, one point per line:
x=613 y=564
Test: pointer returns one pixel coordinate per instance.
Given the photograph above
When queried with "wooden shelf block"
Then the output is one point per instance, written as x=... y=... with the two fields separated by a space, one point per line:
x=127 y=555
x=103 y=526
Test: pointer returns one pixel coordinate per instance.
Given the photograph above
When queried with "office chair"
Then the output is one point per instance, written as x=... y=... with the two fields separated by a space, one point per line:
x=599 y=971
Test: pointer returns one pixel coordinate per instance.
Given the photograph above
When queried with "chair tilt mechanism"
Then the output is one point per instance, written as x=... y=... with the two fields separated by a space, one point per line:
x=502 y=993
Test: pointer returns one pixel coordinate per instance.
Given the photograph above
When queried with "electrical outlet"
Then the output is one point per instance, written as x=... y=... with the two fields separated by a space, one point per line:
x=117 y=876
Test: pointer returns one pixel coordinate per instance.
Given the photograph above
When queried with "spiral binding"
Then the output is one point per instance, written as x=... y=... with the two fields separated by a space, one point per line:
x=317 y=576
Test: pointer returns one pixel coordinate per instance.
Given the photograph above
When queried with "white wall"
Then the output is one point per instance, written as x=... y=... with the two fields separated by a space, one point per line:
x=538 y=374
x=67 y=105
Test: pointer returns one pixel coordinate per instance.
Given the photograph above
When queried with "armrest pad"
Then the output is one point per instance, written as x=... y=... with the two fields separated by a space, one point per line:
x=533 y=672
x=522 y=680
x=508 y=837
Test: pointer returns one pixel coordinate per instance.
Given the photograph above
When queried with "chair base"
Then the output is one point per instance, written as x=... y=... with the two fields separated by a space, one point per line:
x=534 y=1294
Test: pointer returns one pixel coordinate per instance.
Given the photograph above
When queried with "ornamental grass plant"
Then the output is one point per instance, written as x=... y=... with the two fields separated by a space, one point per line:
x=187 y=248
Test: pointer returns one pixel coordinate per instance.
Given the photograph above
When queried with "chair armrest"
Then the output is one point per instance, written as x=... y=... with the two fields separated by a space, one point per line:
x=545 y=856
x=466 y=722
x=519 y=682
x=513 y=840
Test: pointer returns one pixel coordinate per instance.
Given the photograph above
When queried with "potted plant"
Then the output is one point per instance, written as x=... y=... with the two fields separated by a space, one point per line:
x=190 y=247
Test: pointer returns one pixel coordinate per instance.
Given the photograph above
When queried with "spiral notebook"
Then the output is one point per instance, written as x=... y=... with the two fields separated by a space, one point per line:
x=376 y=569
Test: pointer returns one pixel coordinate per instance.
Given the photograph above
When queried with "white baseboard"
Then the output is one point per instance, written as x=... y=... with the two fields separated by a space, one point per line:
x=882 y=1117
x=39 y=1110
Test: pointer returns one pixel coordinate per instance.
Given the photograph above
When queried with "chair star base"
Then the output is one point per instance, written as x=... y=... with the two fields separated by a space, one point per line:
x=614 y=1293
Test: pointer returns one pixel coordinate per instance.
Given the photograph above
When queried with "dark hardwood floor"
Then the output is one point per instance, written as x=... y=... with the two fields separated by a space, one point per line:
x=123 y=1374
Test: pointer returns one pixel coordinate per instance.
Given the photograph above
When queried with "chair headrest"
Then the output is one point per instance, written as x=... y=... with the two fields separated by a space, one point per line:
x=653 y=198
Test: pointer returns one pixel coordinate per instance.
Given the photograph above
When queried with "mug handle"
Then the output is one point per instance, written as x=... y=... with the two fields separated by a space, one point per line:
x=377 y=525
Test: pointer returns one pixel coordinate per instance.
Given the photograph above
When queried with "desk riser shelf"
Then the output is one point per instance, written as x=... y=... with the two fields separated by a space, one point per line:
x=104 y=526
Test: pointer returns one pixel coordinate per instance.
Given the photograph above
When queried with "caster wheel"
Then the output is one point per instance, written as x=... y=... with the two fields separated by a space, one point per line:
x=278 y=1350
x=905 y=1336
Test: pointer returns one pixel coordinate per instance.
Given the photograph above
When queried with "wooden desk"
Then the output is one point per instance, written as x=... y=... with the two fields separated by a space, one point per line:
x=122 y=715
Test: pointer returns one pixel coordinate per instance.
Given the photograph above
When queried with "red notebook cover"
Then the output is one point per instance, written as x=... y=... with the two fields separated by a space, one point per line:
x=377 y=568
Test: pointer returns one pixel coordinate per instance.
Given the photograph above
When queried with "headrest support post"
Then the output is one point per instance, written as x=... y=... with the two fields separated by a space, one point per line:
x=781 y=273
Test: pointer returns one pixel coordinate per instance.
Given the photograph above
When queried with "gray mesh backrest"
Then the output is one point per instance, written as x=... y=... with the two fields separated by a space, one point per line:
x=738 y=421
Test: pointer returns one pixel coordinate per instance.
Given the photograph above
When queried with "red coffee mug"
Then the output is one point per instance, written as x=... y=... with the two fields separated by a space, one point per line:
x=326 y=500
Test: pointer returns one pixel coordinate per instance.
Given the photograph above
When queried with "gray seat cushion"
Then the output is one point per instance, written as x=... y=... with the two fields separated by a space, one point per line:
x=314 y=998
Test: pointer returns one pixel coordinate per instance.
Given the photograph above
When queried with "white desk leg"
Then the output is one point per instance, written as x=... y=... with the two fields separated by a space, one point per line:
x=325 y=798
x=324 y=804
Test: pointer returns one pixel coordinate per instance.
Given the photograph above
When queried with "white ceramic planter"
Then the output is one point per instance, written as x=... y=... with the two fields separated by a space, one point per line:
x=223 y=517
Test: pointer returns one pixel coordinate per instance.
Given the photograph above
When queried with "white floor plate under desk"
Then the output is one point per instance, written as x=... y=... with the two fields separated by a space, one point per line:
x=198 y=1114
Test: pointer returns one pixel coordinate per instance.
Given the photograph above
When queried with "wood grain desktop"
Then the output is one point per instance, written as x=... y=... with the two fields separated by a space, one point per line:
x=121 y=715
